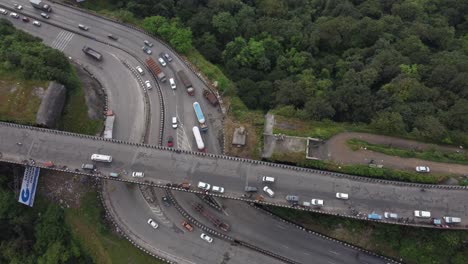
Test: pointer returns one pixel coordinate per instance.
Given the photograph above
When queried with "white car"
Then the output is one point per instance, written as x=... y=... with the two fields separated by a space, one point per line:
x=19 y=7
x=36 y=23
x=147 y=43
x=140 y=70
x=153 y=223
x=204 y=186
x=206 y=238
x=317 y=202
x=148 y=85
x=174 y=122
x=217 y=189
x=44 y=15
x=423 y=169
x=138 y=174
x=343 y=196
x=390 y=215
x=269 y=191
x=172 y=83
x=422 y=214
x=161 y=60
x=14 y=15
x=3 y=11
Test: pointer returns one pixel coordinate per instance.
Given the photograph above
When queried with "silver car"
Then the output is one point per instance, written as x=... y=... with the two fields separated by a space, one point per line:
x=138 y=174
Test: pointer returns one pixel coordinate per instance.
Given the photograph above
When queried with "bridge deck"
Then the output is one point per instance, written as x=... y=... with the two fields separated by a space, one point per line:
x=163 y=165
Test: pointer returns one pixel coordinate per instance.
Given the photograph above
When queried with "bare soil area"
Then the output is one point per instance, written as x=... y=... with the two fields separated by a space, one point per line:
x=337 y=150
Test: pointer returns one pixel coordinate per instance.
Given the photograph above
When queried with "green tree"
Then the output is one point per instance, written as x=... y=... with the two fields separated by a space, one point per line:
x=225 y=24
x=389 y=123
x=430 y=128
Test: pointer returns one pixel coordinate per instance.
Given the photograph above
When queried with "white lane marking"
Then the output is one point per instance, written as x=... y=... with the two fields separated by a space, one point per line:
x=334 y=252
x=331 y=262
x=280 y=226
x=285 y=246
x=67 y=40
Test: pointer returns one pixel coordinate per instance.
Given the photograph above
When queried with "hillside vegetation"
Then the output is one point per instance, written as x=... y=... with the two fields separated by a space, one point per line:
x=399 y=65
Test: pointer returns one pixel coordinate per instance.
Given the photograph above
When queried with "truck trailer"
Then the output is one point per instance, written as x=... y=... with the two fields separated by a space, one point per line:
x=40 y=5
x=153 y=66
x=92 y=53
x=200 y=116
x=186 y=82
x=210 y=97
x=198 y=139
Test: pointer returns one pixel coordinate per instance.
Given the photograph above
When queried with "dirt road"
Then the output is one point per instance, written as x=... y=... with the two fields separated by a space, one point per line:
x=337 y=150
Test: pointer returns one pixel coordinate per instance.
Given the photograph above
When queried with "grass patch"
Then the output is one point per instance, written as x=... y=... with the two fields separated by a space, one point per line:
x=413 y=245
x=75 y=115
x=19 y=101
x=432 y=154
x=103 y=246
x=298 y=159
x=211 y=71
x=323 y=129
x=98 y=5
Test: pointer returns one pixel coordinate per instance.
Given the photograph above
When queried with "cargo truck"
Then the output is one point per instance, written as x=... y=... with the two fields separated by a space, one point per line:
x=40 y=5
x=210 y=97
x=200 y=117
x=186 y=82
x=92 y=53
x=153 y=66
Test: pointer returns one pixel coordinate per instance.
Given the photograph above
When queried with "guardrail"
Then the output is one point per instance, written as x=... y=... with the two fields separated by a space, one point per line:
x=224 y=236
x=163 y=185
x=161 y=100
x=186 y=62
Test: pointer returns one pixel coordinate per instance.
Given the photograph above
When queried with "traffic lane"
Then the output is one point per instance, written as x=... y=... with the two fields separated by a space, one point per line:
x=254 y=227
x=165 y=166
x=117 y=80
x=173 y=214
x=168 y=166
x=100 y=28
x=194 y=249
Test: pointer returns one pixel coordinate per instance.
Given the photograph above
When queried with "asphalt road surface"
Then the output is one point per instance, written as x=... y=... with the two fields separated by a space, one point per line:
x=166 y=166
x=124 y=87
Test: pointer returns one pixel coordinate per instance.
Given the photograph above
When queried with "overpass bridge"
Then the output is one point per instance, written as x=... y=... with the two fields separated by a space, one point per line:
x=167 y=168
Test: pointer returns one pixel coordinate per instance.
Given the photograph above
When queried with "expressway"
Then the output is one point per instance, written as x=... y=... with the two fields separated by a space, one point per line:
x=125 y=100
x=166 y=165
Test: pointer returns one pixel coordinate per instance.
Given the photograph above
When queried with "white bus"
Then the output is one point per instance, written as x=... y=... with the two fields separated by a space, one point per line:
x=103 y=158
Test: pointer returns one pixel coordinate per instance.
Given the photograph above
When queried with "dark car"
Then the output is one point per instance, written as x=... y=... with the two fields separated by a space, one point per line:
x=166 y=202
x=166 y=56
x=25 y=19
x=112 y=37
x=251 y=189
x=170 y=141
x=88 y=166
x=292 y=198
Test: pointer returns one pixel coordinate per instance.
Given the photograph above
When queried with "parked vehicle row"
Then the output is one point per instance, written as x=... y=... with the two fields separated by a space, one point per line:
x=207 y=187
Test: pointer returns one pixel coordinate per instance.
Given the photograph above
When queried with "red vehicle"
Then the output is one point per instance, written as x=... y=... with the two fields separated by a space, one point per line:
x=187 y=226
x=48 y=164
x=170 y=142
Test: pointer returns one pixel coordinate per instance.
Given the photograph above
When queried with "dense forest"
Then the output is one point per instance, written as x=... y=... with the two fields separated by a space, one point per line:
x=34 y=235
x=400 y=65
x=26 y=55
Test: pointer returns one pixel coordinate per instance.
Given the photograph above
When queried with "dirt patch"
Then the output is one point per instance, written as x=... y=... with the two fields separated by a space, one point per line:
x=64 y=188
x=287 y=124
x=337 y=150
x=94 y=95
x=249 y=150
